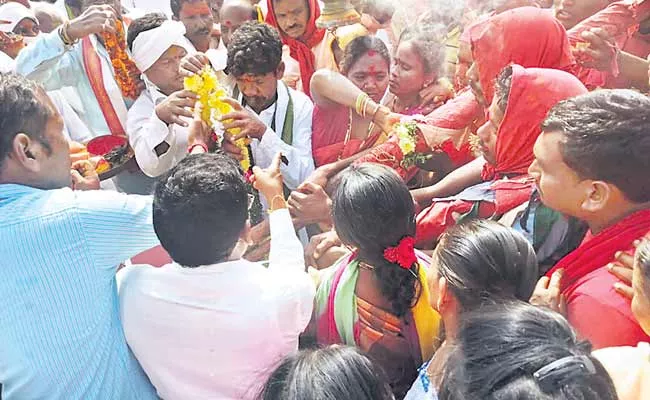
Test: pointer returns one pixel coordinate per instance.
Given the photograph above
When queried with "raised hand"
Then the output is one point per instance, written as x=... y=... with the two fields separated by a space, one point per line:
x=95 y=19
x=177 y=105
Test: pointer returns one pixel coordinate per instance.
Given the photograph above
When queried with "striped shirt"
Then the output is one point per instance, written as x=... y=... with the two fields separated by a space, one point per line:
x=60 y=332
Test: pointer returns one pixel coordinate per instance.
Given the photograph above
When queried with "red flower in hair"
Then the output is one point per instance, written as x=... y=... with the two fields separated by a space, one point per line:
x=403 y=254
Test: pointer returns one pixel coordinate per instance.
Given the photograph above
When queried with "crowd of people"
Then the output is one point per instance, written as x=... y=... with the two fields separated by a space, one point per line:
x=444 y=200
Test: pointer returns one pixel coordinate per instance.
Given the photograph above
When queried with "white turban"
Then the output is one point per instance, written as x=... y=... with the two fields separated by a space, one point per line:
x=12 y=13
x=150 y=45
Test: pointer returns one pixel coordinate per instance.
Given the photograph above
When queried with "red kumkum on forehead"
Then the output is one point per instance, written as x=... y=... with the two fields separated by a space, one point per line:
x=198 y=8
x=371 y=53
x=227 y=22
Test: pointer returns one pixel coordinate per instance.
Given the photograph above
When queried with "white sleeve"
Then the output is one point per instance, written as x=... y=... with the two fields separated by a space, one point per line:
x=287 y=263
x=301 y=162
x=146 y=131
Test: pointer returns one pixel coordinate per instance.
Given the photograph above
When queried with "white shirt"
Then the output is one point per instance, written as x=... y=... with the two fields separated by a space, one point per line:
x=218 y=331
x=301 y=163
x=146 y=131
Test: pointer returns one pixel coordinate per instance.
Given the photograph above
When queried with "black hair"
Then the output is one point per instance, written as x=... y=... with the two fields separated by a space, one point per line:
x=372 y=210
x=606 y=137
x=484 y=261
x=502 y=87
x=255 y=48
x=176 y=6
x=499 y=349
x=429 y=44
x=200 y=208
x=143 y=24
x=334 y=372
x=23 y=111
x=360 y=46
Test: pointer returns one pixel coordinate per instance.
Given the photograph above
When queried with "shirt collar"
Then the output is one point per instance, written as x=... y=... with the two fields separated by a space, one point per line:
x=12 y=190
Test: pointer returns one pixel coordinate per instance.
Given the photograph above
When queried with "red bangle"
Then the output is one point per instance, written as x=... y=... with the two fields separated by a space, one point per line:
x=204 y=147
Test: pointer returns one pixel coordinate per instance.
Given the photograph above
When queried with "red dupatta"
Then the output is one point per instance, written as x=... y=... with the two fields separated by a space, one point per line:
x=506 y=39
x=533 y=92
x=598 y=250
x=300 y=49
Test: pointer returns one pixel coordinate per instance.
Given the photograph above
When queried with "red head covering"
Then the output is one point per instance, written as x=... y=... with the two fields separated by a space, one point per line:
x=533 y=92
x=300 y=49
x=528 y=36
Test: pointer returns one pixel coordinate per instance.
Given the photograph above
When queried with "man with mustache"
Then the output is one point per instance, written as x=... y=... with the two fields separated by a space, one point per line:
x=274 y=117
x=305 y=45
x=197 y=18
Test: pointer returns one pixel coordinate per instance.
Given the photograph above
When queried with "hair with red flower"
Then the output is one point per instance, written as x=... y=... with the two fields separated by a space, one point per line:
x=403 y=254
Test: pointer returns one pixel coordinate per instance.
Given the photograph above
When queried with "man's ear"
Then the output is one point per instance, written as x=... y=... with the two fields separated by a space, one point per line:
x=598 y=195
x=279 y=71
x=23 y=152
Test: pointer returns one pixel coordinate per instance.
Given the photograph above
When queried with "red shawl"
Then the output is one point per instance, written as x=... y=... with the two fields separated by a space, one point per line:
x=300 y=49
x=596 y=251
x=532 y=94
x=528 y=36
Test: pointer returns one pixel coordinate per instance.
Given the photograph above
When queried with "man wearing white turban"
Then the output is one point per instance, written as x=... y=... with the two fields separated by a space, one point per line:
x=157 y=123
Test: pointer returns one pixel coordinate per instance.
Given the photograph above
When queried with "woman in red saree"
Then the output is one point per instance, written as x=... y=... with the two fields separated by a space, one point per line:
x=339 y=132
x=521 y=101
x=528 y=36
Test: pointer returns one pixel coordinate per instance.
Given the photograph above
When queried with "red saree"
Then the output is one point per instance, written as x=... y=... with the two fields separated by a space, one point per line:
x=496 y=42
x=596 y=311
x=532 y=94
x=329 y=129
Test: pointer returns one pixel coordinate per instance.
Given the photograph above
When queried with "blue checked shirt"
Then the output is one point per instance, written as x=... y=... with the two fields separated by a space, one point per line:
x=60 y=331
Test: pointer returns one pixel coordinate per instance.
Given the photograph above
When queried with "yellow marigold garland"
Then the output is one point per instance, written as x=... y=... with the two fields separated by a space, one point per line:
x=211 y=94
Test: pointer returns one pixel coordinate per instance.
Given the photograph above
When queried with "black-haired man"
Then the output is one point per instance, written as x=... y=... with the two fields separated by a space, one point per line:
x=210 y=324
x=591 y=163
x=275 y=117
x=61 y=332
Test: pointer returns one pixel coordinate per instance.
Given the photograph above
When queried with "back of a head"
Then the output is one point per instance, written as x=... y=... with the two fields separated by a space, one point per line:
x=331 y=373
x=255 y=48
x=200 y=209
x=486 y=262
x=606 y=136
x=521 y=352
x=373 y=210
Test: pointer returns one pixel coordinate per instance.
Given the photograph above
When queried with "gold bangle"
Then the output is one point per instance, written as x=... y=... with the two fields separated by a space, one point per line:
x=283 y=204
x=360 y=100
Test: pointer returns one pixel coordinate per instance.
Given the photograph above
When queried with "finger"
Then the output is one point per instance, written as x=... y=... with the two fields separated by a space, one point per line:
x=310 y=187
x=235 y=124
x=556 y=279
x=294 y=206
x=622 y=273
x=187 y=94
x=542 y=284
x=275 y=164
x=624 y=290
x=234 y=115
x=183 y=111
x=233 y=103
x=76 y=177
x=322 y=247
x=625 y=259
x=176 y=120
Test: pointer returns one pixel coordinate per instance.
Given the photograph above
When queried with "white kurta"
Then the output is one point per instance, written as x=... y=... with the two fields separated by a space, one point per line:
x=146 y=131
x=217 y=331
x=301 y=162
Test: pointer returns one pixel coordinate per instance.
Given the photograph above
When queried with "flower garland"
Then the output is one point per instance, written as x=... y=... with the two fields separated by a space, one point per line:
x=211 y=94
x=126 y=73
x=406 y=132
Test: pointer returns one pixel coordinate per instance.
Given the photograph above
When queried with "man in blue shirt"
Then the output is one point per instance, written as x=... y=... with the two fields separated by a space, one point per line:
x=60 y=335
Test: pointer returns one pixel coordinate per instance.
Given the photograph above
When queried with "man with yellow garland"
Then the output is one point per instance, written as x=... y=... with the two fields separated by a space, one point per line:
x=159 y=119
x=89 y=54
